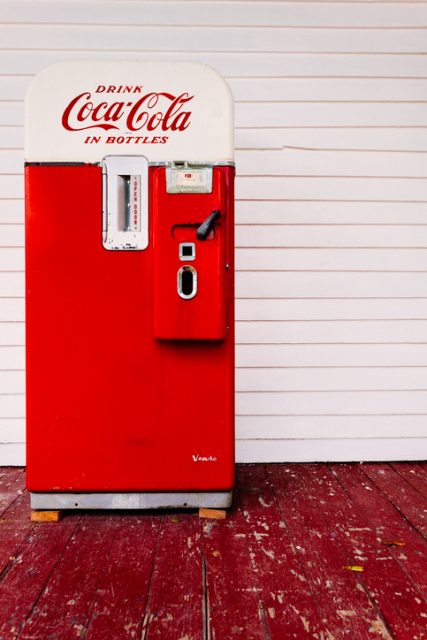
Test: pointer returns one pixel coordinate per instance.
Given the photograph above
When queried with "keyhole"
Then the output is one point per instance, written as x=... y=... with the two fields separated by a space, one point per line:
x=187 y=282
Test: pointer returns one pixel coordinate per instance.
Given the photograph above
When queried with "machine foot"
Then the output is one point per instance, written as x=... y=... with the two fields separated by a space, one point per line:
x=213 y=514
x=45 y=516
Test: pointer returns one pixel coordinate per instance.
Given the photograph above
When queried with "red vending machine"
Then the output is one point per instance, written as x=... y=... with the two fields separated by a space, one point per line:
x=130 y=276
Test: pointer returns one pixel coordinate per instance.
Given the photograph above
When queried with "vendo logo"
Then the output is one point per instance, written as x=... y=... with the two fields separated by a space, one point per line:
x=150 y=111
x=198 y=458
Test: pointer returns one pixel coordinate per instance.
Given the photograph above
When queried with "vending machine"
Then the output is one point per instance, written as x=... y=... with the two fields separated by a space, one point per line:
x=129 y=180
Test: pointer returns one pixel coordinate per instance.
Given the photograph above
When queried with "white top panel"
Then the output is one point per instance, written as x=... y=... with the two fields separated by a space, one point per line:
x=83 y=111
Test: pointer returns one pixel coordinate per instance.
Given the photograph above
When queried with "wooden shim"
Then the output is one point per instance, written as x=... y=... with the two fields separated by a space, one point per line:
x=213 y=514
x=46 y=516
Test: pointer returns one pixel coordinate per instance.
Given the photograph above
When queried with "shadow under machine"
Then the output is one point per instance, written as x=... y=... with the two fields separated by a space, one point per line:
x=129 y=286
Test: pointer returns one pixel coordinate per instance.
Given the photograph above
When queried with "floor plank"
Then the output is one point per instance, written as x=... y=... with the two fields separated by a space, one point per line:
x=384 y=580
x=274 y=569
x=175 y=601
x=233 y=605
x=415 y=474
x=400 y=493
x=27 y=573
x=120 y=599
x=12 y=483
x=387 y=522
x=340 y=594
x=15 y=525
x=290 y=610
x=62 y=609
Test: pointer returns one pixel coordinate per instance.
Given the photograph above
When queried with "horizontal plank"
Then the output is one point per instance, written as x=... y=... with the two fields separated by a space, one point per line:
x=304 y=162
x=299 y=188
x=12 y=284
x=236 y=64
x=298 y=162
x=331 y=236
x=350 y=331
x=302 y=89
x=394 y=139
x=294 y=450
x=206 y=38
x=322 y=309
x=12 y=430
x=296 y=379
x=11 y=259
x=12 y=310
x=310 y=212
x=294 y=403
x=296 y=114
x=227 y=14
x=12 y=406
x=12 y=454
x=292 y=212
x=296 y=355
x=11 y=235
x=328 y=402
x=332 y=355
x=287 y=89
x=332 y=379
x=275 y=284
x=371 y=138
x=12 y=333
x=12 y=358
x=349 y=259
x=347 y=331
x=12 y=138
x=329 y=427
x=338 y=450
x=309 y=114
x=12 y=381
x=12 y=211
x=319 y=188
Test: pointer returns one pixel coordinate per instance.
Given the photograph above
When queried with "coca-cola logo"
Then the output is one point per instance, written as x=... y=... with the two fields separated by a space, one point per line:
x=150 y=111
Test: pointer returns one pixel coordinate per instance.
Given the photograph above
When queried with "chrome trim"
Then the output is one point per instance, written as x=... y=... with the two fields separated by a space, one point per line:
x=183 y=269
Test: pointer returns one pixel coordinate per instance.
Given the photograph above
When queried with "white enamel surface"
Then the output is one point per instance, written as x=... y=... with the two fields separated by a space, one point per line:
x=206 y=133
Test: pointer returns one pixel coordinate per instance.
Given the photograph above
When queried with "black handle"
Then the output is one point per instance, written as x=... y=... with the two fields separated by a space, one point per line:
x=207 y=225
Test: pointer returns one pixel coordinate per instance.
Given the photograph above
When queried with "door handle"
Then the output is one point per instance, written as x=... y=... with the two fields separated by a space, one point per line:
x=207 y=225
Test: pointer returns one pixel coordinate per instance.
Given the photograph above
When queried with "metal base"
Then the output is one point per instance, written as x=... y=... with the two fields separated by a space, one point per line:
x=154 y=500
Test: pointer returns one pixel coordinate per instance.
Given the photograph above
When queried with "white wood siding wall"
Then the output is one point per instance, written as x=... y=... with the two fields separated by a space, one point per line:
x=331 y=117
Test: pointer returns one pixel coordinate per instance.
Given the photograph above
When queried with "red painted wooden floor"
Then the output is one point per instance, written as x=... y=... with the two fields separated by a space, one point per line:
x=275 y=569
